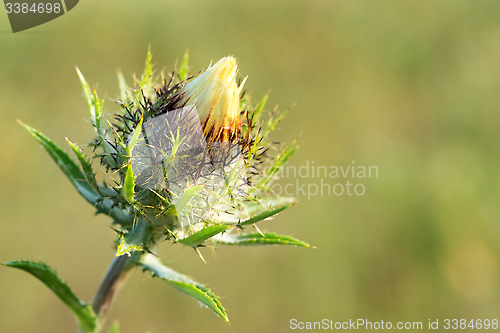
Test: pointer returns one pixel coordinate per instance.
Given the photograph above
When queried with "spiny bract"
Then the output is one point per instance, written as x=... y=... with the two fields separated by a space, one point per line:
x=186 y=154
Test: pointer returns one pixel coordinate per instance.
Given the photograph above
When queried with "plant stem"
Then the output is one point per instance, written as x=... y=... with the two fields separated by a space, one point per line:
x=115 y=277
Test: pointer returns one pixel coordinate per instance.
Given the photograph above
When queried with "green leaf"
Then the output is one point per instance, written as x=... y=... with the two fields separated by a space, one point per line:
x=124 y=89
x=120 y=216
x=135 y=138
x=228 y=178
x=186 y=196
x=184 y=284
x=98 y=115
x=258 y=239
x=82 y=311
x=279 y=161
x=95 y=105
x=266 y=203
x=201 y=236
x=264 y=215
x=129 y=184
x=148 y=71
x=146 y=82
x=135 y=240
x=148 y=67
x=78 y=179
x=126 y=248
x=260 y=108
x=87 y=92
x=66 y=164
x=86 y=166
x=115 y=328
x=275 y=119
x=183 y=71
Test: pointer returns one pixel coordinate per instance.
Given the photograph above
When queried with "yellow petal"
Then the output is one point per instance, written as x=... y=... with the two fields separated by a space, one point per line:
x=216 y=97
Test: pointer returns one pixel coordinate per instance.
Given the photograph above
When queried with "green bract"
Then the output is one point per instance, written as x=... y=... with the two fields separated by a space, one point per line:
x=186 y=158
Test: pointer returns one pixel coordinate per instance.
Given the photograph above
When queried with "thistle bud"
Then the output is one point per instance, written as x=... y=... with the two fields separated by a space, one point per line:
x=217 y=99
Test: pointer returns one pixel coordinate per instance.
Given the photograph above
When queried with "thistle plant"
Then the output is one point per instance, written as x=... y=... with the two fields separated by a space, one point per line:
x=183 y=161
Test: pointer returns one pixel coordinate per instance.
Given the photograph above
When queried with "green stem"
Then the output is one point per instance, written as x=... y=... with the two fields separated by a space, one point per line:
x=113 y=281
x=120 y=269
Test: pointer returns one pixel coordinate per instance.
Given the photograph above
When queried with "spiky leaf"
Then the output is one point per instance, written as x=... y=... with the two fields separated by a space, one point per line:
x=86 y=166
x=147 y=76
x=148 y=68
x=183 y=70
x=260 y=108
x=184 y=284
x=264 y=215
x=201 y=236
x=82 y=311
x=126 y=248
x=186 y=196
x=266 y=203
x=125 y=91
x=275 y=119
x=258 y=239
x=135 y=240
x=66 y=164
x=94 y=104
x=279 y=161
x=129 y=184
x=135 y=138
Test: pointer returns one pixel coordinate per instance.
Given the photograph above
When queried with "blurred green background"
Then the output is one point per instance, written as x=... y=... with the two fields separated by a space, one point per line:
x=409 y=86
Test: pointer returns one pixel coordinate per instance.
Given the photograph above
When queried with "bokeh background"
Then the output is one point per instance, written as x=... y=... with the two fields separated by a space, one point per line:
x=409 y=86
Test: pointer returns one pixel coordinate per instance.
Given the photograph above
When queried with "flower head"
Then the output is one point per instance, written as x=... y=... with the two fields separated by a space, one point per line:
x=183 y=157
x=217 y=99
